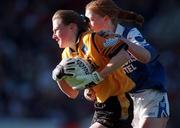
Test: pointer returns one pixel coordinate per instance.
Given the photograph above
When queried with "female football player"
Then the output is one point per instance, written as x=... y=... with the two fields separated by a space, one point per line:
x=102 y=51
x=151 y=106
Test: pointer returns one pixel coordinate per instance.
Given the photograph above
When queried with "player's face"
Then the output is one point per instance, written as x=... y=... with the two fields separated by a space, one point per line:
x=97 y=22
x=62 y=34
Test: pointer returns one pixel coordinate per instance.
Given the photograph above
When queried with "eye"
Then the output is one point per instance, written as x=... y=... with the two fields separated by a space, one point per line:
x=92 y=19
x=55 y=30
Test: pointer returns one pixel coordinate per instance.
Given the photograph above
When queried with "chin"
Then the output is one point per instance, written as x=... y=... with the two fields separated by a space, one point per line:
x=59 y=46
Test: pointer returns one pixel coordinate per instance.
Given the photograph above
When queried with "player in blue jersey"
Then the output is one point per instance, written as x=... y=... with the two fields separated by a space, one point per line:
x=151 y=106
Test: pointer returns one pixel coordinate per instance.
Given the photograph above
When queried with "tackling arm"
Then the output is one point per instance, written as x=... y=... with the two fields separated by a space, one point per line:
x=142 y=54
x=115 y=63
x=137 y=45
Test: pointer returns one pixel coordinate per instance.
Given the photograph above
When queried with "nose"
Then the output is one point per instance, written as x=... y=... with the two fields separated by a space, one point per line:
x=54 y=37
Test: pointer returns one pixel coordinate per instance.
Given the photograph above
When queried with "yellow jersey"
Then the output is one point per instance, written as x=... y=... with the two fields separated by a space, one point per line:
x=98 y=50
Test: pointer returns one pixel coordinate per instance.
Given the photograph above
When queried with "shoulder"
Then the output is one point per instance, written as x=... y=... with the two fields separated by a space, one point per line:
x=93 y=36
x=86 y=36
x=65 y=53
x=133 y=34
x=127 y=30
x=133 y=31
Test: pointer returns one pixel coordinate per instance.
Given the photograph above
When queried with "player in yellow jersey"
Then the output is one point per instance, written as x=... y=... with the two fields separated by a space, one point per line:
x=102 y=50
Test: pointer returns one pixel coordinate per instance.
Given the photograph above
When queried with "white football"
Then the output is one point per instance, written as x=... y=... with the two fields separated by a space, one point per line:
x=82 y=67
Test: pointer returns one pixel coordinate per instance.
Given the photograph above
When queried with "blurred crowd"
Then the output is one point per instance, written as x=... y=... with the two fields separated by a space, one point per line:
x=28 y=55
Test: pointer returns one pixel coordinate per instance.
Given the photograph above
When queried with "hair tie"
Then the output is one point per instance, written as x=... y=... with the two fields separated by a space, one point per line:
x=84 y=18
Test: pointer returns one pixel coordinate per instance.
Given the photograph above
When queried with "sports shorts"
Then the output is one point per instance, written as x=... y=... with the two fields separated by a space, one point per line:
x=109 y=113
x=150 y=103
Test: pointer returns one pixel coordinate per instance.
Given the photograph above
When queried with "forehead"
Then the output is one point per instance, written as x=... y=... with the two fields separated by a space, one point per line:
x=56 y=23
x=91 y=14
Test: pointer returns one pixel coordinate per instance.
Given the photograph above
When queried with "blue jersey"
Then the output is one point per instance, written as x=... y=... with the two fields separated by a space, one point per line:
x=146 y=76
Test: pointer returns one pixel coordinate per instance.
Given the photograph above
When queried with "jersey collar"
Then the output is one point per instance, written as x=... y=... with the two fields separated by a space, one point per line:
x=119 y=29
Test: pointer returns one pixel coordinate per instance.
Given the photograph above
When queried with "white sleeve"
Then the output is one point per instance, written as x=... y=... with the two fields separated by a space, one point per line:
x=136 y=37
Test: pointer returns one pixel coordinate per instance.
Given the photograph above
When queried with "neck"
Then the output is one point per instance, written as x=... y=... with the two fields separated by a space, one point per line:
x=110 y=27
x=73 y=47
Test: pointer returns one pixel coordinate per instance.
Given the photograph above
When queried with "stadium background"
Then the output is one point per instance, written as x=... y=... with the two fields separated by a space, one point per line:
x=29 y=98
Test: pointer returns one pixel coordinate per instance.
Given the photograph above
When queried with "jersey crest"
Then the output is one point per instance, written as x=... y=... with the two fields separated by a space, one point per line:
x=110 y=42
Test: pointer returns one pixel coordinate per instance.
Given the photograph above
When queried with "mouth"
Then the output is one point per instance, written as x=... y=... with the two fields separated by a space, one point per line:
x=60 y=43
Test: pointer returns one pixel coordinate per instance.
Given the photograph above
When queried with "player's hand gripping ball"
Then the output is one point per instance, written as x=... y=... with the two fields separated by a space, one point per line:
x=63 y=69
x=69 y=68
x=77 y=67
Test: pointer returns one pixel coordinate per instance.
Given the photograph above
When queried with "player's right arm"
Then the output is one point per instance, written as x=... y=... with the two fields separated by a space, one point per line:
x=138 y=51
x=58 y=75
x=139 y=47
x=115 y=63
x=67 y=90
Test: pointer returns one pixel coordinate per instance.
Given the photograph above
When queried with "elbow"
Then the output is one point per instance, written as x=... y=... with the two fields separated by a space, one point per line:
x=73 y=96
x=150 y=54
x=146 y=59
x=67 y=90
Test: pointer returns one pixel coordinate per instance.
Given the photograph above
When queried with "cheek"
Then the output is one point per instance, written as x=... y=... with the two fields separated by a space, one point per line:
x=62 y=35
x=59 y=35
x=65 y=38
x=94 y=25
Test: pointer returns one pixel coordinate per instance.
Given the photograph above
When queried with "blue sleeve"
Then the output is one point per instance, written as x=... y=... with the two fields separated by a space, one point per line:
x=153 y=51
x=136 y=37
x=146 y=76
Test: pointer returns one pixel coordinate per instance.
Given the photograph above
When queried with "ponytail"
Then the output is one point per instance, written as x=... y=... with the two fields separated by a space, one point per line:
x=131 y=17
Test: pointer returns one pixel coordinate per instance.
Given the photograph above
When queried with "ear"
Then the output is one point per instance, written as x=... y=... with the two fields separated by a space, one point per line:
x=72 y=26
x=107 y=18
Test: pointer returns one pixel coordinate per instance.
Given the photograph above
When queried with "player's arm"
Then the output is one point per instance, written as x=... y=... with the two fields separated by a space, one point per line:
x=89 y=94
x=115 y=50
x=139 y=52
x=60 y=72
x=115 y=62
x=67 y=90
x=139 y=48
